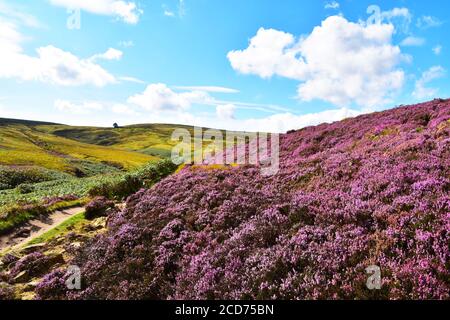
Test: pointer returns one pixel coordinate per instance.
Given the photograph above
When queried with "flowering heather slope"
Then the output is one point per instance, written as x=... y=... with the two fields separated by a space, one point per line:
x=373 y=190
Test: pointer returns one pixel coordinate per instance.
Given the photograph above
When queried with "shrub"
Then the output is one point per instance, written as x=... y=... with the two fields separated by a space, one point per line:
x=25 y=188
x=51 y=201
x=98 y=207
x=130 y=183
x=54 y=285
x=6 y=292
x=35 y=264
x=13 y=177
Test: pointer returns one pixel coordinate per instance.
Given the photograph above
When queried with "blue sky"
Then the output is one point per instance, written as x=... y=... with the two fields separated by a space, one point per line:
x=247 y=65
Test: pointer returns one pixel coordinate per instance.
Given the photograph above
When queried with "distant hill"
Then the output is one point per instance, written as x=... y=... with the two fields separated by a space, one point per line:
x=69 y=148
x=151 y=139
x=5 y=121
x=30 y=143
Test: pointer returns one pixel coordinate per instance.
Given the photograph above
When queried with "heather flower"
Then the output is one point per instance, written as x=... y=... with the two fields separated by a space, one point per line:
x=367 y=191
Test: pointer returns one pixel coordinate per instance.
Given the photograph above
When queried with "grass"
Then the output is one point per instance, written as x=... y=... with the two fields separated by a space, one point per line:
x=63 y=228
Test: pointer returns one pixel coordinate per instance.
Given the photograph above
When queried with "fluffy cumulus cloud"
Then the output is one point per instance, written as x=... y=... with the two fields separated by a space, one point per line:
x=159 y=97
x=421 y=90
x=340 y=61
x=127 y=11
x=50 y=64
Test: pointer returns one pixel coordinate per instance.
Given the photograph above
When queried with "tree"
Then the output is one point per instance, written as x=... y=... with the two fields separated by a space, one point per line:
x=115 y=125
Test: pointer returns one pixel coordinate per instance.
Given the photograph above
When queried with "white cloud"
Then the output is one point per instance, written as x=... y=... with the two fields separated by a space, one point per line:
x=89 y=107
x=280 y=122
x=132 y=79
x=332 y=5
x=123 y=109
x=287 y=121
x=226 y=111
x=51 y=64
x=110 y=54
x=169 y=13
x=399 y=17
x=426 y=22
x=437 y=50
x=127 y=11
x=159 y=97
x=413 y=42
x=421 y=90
x=340 y=62
x=207 y=89
x=82 y=108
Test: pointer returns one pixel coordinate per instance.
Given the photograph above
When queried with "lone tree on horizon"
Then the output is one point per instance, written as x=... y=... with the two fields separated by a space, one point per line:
x=116 y=126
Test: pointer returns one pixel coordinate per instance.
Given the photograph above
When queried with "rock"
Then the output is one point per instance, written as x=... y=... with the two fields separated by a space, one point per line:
x=99 y=223
x=76 y=245
x=96 y=224
x=23 y=233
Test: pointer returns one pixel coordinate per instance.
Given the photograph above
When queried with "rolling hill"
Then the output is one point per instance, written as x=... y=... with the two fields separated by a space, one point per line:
x=25 y=143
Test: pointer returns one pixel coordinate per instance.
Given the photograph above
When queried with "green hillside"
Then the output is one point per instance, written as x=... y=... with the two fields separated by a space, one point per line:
x=150 y=139
x=41 y=160
x=32 y=144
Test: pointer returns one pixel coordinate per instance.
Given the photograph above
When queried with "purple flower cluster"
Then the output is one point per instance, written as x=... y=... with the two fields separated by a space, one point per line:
x=98 y=207
x=373 y=190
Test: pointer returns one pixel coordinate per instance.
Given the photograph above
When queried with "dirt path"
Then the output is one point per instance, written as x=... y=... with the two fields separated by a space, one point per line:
x=36 y=228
